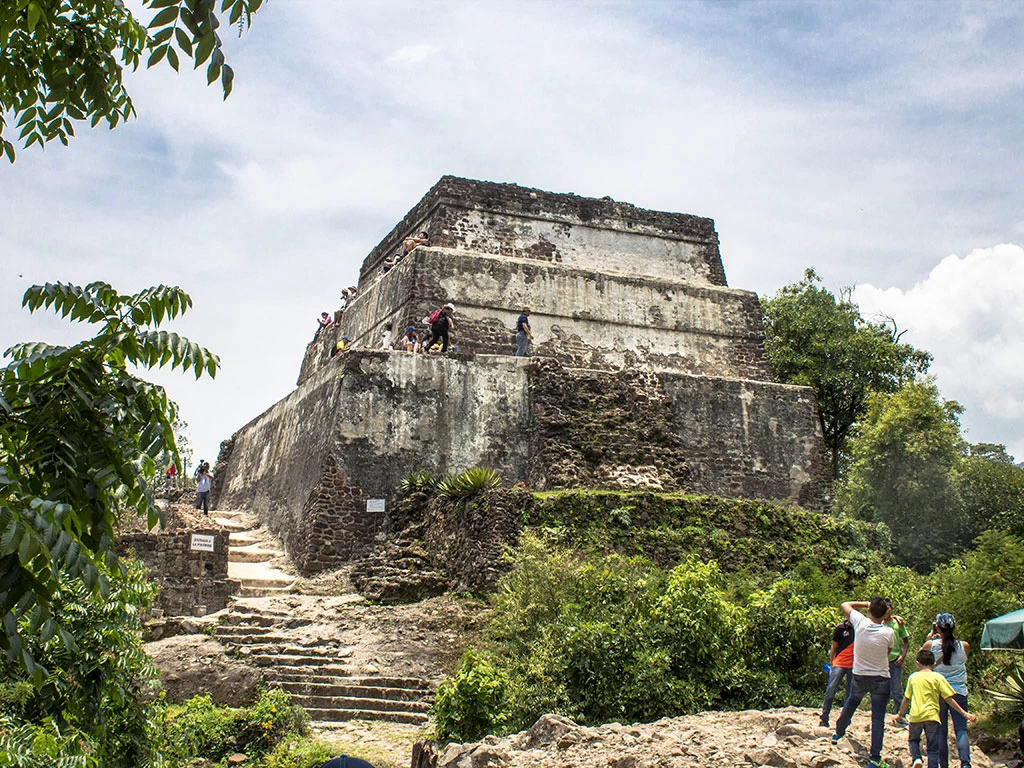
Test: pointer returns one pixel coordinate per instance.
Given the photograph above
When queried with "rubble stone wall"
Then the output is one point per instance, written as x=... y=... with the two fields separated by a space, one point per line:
x=519 y=222
x=579 y=317
x=186 y=578
x=367 y=420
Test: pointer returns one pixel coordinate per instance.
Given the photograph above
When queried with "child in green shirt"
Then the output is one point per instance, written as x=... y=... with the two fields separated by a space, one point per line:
x=925 y=689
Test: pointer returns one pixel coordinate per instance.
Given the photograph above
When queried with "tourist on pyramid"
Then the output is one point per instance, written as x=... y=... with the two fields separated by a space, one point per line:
x=411 y=339
x=325 y=321
x=523 y=334
x=440 y=324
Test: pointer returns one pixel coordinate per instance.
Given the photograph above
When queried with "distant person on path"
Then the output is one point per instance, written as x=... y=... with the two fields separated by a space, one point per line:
x=385 y=337
x=872 y=642
x=523 y=334
x=204 y=482
x=927 y=691
x=170 y=477
x=951 y=663
x=440 y=323
x=344 y=761
x=901 y=640
x=841 y=661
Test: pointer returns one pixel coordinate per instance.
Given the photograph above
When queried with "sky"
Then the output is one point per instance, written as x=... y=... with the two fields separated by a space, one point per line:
x=879 y=143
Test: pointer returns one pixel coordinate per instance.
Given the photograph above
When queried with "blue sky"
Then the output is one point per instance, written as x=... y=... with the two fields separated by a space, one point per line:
x=877 y=142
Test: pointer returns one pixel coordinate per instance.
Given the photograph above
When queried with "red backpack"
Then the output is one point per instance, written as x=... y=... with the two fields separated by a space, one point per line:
x=436 y=315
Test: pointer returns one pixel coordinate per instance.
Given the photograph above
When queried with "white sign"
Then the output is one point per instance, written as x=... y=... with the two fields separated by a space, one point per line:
x=375 y=505
x=202 y=542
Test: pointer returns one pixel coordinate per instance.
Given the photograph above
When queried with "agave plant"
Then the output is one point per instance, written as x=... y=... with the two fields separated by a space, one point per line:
x=470 y=482
x=1012 y=695
x=418 y=481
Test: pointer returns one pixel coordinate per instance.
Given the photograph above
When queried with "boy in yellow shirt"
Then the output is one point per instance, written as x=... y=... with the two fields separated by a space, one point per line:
x=925 y=689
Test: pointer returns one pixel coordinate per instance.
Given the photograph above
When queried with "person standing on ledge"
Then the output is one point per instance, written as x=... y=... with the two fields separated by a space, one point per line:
x=204 y=482
x=523 y=334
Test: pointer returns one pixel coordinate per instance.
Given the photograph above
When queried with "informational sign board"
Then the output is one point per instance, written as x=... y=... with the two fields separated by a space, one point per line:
x=375 y=505
x=202 y=542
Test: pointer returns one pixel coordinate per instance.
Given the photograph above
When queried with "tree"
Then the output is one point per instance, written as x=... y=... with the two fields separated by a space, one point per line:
x=62 y=60
x=815 y=339
x=905 y=455
x=79 y=438
x=992 y=490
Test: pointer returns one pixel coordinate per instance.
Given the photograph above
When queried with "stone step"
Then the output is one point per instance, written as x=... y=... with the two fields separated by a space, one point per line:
x=304 y=664
x=252 y=554
x=247 y=591
x=406 y=683
x=239 y=619
x=309 y=689
x=366 y=705
x=341 y=715
x=260 y=633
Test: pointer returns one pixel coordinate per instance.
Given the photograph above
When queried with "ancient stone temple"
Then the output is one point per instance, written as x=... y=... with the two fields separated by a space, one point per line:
x=647 y=371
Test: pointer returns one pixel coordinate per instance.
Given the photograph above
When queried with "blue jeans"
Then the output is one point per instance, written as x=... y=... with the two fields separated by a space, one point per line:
x=835 y=679
x=963 y=743
x=896 y=685
x=522 y=344
x=931 y=733
x=863 y=685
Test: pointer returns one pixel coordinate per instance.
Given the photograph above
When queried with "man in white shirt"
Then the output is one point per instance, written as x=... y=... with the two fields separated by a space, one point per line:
x=871 y=645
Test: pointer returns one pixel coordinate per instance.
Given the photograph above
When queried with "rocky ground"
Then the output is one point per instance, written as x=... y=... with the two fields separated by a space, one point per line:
x=782 y=738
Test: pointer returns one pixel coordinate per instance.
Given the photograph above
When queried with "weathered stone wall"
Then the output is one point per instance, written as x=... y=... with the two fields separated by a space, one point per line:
x=513 y=221
x=675 y=432
x=186 y=579
x=356 y=428
x=581 y=318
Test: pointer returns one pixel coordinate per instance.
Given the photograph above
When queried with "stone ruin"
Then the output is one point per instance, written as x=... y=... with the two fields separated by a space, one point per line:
x=647 y=372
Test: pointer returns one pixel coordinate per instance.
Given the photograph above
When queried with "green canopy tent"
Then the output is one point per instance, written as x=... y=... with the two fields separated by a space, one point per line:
x=1004 y=633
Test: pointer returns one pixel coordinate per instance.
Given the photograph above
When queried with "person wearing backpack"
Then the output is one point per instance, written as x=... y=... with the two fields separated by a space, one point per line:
x=523 y=334
x=440 y=324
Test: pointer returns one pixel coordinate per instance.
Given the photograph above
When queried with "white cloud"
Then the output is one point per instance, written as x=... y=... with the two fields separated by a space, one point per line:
x=412 y=54
x=969 y=313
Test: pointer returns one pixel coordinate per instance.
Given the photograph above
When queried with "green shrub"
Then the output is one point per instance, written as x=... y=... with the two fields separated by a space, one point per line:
x=269 y=720
x=472 y=703
x=304 y=753
x=199 y=729
x=42 y=746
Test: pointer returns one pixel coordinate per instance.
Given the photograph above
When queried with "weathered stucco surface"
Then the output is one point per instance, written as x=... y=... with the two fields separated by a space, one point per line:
x=648 y=371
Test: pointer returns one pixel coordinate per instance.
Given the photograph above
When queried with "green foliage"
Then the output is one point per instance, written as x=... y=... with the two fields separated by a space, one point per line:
x=300 y=753
x=79 y=440
x=984 y=583
x=62 y=60
x=97 y=687
x=421 y=480
x=815 y=339
x=469 y=483
x=738 y=534
x=1010 y=694
x=198 y=729
x=473 y=702
x=904 y=460
x=601 y=638
x=991 y=490
x=270 y=719
x=25 y=745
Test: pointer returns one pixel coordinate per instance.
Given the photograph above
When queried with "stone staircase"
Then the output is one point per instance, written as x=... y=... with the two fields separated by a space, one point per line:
x=262 y=629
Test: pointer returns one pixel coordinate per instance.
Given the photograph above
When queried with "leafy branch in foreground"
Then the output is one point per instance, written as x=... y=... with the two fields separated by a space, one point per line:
x=79 y=440
x=62 y=60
